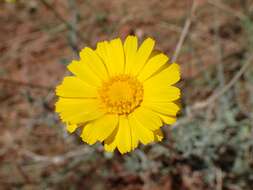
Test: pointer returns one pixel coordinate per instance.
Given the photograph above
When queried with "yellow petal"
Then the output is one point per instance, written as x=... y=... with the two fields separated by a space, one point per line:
x=158 y=135
x=117 y=57
x=142 y=55
x=167 y=119
x=90 y=57
x=71 y=127
x=161 y=93
x=134 y=135
x=168 y=76
x=112 y=54
x=130 y=48
x=73 y=87
x=166 y=108
x=143 y=134
x=74 y=110
x=88 y=135
x=152 y=66
x=111 y=142
x=102 y=51
x=124 y=136
x=81 y=117
x=100 y=129
x=147 y=118
x=83 y=71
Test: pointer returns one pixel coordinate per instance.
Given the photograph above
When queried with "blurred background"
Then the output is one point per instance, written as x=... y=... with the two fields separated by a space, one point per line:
x=210 y=147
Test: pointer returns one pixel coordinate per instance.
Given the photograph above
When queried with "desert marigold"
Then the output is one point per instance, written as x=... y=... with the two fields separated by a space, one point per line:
x=120 y=94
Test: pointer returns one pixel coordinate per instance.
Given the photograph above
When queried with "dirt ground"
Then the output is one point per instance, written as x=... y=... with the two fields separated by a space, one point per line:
x=209 y=148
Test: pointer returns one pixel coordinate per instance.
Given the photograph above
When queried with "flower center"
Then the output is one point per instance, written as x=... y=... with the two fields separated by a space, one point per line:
x=121 y=94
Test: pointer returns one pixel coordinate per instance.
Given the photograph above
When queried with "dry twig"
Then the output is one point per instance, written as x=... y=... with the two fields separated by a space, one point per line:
x=184 y=32
x=215 y=96
x=219 y=92
x=58 y=15
x=59 y=158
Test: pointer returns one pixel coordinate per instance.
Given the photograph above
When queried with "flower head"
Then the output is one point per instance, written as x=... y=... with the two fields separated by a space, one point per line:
x=120 y=94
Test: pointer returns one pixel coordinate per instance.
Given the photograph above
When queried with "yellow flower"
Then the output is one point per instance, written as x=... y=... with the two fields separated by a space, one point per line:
x=120 y=94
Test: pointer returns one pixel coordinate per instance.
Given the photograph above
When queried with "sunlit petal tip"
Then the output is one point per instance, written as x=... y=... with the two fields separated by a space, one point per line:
x=71 y=127
x=158 y=135
x=176 y=68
